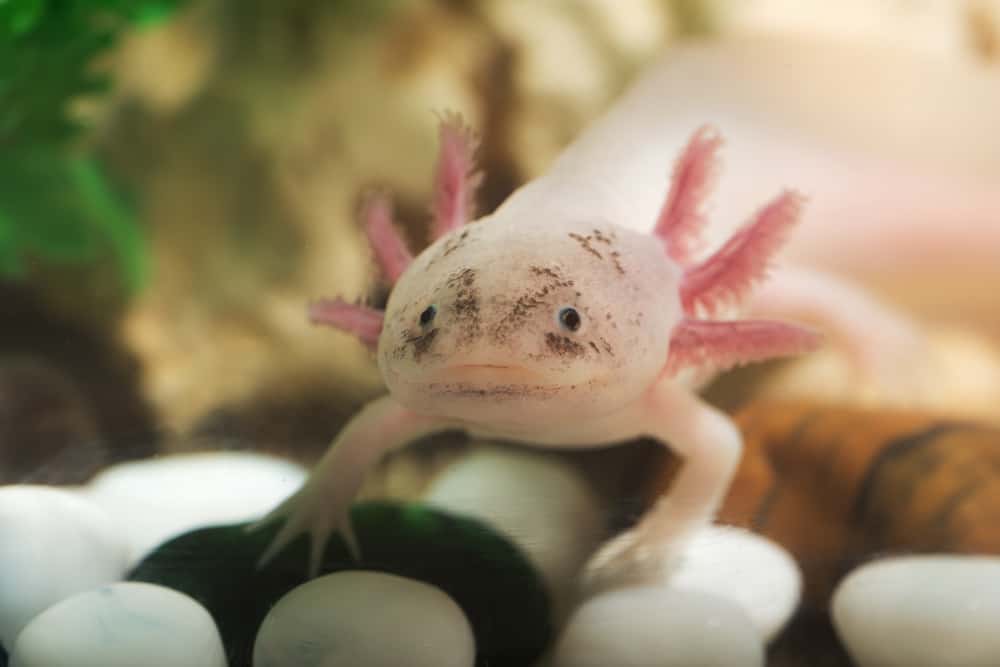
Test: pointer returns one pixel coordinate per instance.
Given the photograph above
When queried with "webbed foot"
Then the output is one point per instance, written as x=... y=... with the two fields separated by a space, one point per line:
x=629 y=560
x=314 y=513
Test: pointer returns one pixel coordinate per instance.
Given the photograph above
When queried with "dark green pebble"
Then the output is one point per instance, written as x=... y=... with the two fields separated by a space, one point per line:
x=487 y=575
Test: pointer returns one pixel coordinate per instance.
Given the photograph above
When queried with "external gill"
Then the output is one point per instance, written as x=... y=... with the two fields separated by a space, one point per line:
x=728 y=275
x=455 y=183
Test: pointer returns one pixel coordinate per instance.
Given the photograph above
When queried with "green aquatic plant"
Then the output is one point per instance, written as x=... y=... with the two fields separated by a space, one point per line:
x=57 y=203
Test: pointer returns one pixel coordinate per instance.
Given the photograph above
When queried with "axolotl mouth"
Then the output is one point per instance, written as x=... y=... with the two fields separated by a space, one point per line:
x=487 y=372
x=487 y=380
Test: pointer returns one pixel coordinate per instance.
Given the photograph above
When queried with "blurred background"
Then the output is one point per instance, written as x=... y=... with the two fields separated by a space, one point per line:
x=180 y=177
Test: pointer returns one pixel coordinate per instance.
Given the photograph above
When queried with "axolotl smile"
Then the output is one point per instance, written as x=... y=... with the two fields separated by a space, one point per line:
x=495 y=381
x=481 y=380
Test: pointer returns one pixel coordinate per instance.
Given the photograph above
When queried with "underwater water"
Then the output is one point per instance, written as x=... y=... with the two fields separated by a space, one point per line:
x=659 y=332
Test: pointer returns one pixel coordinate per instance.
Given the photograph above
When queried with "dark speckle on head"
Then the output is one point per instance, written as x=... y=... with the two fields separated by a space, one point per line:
x=607 y=346
x=616 y=258
x=465 y=277
x=584 y=242
x=563 y=345
x=455 y=243
x=452 y=244
x=544 y=271
x=550 y=279
x=419 y=344
x=601 y=237
x=606 y=239
x=466 y=304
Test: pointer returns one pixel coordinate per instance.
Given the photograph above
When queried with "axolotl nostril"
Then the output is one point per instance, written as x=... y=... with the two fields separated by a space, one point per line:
x=551 y=323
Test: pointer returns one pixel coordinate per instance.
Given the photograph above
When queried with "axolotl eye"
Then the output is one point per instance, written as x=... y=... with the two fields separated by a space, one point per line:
x=428 y=315
x=569 y=319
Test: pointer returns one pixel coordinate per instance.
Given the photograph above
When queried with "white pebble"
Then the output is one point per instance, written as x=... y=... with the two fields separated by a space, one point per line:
x=747 y=569
x=659 y=627
x=53 y=544
x=121 y=625
x=365 y=618
x=539 y=501
x=921 y=611
x=162 y=498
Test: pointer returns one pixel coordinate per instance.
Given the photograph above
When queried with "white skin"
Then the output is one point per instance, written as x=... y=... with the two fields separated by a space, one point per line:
x=560 y=333
x=496 y=362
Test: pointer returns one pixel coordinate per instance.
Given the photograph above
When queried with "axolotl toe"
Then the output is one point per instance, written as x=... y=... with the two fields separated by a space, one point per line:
x=551 y=323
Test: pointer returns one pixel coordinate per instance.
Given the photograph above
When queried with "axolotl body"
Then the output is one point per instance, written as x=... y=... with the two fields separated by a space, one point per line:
x=550 y=323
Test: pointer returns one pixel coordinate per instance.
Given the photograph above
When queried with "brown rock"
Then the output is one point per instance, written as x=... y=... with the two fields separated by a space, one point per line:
x=837 y=486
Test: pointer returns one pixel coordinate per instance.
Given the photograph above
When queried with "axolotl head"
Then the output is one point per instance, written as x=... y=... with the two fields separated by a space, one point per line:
x=543 y=312
x=500 y=321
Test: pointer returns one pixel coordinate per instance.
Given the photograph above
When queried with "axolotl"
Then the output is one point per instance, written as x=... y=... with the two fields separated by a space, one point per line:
x=550 y=323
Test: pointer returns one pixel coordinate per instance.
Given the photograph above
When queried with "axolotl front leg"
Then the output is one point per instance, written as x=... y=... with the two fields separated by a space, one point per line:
x=710 y=446
x=705 y=438
x=321 y=507
x=707 y=441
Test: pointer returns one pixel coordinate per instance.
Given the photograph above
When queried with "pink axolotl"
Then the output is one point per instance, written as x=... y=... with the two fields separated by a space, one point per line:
x=551 y=324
